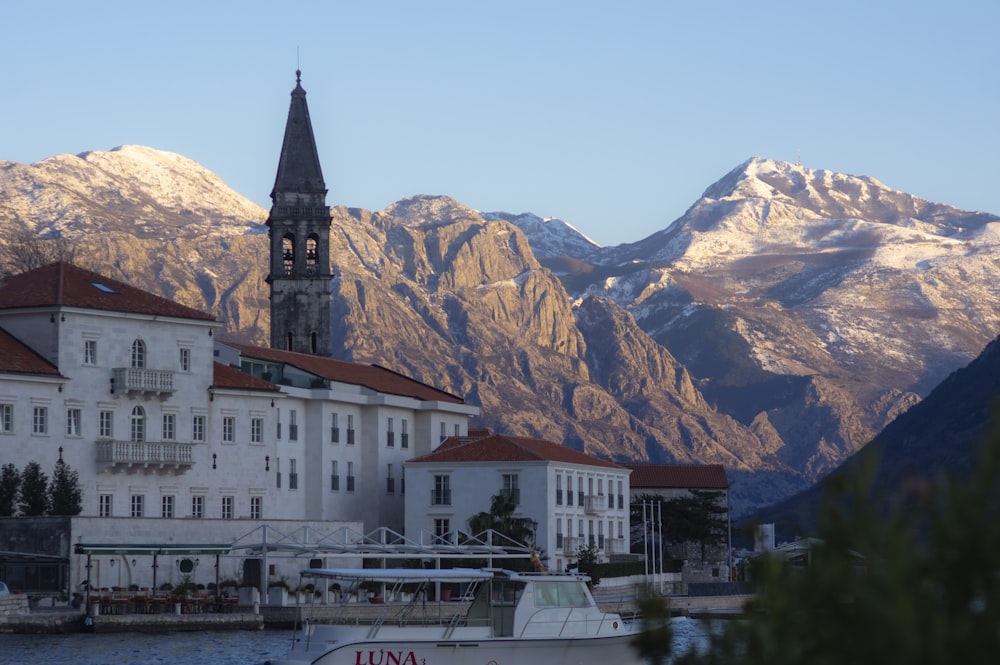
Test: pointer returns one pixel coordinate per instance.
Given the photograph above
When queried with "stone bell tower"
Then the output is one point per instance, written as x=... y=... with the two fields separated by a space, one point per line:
x=299 y=229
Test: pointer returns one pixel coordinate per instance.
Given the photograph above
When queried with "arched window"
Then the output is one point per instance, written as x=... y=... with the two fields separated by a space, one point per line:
x=288 y=252
x=138 y=354
x=137 y=421
x=312 y=253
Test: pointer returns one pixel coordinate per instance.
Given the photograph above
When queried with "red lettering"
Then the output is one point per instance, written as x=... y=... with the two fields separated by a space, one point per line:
x=410 y=659
x=357 y=659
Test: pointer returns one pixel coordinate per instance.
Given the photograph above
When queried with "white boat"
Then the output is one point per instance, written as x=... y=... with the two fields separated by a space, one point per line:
x=501 y=618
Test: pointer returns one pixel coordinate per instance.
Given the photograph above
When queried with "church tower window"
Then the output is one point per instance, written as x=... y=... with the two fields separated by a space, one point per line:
x=288 y=253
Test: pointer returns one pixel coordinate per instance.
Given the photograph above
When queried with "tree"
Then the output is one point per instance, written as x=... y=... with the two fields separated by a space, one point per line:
x=586 y=562
x=698 y=517
x=65 y=495
x=928 y=591
x=10 y=485
x=33 y=498
x=501 y=519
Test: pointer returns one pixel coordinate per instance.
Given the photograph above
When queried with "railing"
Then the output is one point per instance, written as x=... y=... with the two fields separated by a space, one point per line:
x=145 y=453
x=513 y=494
x=594 y=504
x=132 y=380
x=572 y=544
x=615 y=545
x=440 y=497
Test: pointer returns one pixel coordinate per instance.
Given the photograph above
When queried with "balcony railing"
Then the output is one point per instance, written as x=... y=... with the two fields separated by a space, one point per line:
x=594 y=504
x=145 y=454
x=132 y=380
x=572 y=544
x=440 y=497
x=514 y=494
x=615 y=545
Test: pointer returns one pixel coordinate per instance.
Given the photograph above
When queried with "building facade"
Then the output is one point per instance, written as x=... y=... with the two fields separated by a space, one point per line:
x=162 y=421
x=575 y=500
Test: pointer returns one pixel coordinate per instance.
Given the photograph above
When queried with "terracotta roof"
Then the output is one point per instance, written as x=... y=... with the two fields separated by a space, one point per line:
x=62 y=284
x=377 y=378
x=224 y=376
x=685 y=476
x=16 y=357
x=503 y=448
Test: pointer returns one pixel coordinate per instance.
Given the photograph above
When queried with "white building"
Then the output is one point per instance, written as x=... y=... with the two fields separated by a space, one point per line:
x=576 y=500
x=133 y=392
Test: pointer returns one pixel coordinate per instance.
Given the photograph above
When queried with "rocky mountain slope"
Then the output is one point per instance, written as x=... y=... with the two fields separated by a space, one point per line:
x=787 y=317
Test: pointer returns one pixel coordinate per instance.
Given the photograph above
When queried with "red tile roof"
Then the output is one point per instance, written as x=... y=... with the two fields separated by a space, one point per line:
x=374 y=377
x=503 y=448
x=17 y=358
x=224 y=376
x=62 y=284
x=680 y=476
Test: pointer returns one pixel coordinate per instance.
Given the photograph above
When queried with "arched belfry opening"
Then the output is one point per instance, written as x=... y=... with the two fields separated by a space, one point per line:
x=299 y=228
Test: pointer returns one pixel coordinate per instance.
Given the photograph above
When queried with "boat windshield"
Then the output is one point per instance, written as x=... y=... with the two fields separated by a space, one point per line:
x=560 y=594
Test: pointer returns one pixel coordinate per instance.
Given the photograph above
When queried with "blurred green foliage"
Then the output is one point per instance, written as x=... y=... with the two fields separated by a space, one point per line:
x=913 y=578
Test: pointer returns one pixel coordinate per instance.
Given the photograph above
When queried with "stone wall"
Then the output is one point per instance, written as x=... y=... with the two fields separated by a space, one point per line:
x=13 y=605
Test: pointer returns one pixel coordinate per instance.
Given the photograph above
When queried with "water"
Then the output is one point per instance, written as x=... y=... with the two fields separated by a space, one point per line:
x=199 y=648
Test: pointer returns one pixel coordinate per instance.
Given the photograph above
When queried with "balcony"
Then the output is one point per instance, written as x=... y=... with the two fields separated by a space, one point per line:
x=572 y=544
x=126 y=380
x=594 y=504
x=615 y=546
x=145 y=455
x=440 y=497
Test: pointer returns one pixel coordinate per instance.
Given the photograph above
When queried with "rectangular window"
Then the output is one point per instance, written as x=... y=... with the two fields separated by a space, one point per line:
x=185 y=360
x=621 y=497
x=104 y=502
x=6 y=418
x=198 y=507
x=441 y=494
x=137 y=505
x=334 y=477
x=293 y=476
x=169 y=426
x=559 y=533
x=293 y=426
x=444 y=431
x=350 y=476
x=257 y=430
x=404 y=436
x=198 y=429
x=569 y=490
x=402 y=481
x=334 y=430
x=90 y=352
x=510 y=488
x=579 y=491
x=350 y=430
x=167 y=506
x=457 y=430
x=229 y=429
x=559 y=490
x=227 y=507
x=105 y=425
x=73 y=422
x=390 y=435
x=442 y=529
x=256 y=507
x=390 y=481
x=40 y=420
x=277 y=472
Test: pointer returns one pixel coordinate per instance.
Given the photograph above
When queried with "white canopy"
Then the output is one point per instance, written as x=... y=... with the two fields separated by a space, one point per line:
x=392 y=575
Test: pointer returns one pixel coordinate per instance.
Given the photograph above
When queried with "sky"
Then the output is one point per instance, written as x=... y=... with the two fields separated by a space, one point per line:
x=613 y=116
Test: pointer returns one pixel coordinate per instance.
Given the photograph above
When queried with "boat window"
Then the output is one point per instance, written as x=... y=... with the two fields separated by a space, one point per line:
x=560 y=594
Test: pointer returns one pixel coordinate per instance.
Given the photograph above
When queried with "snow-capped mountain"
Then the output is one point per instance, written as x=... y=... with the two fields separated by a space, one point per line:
x=787 y=317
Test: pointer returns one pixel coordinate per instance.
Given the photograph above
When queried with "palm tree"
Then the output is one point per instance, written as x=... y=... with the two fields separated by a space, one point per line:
x=500 y=518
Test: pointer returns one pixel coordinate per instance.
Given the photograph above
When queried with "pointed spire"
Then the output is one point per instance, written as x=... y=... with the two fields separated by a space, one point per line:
x=299 y=171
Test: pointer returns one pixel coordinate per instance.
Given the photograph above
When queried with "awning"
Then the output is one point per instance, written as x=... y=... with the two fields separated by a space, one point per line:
x=150 y=549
